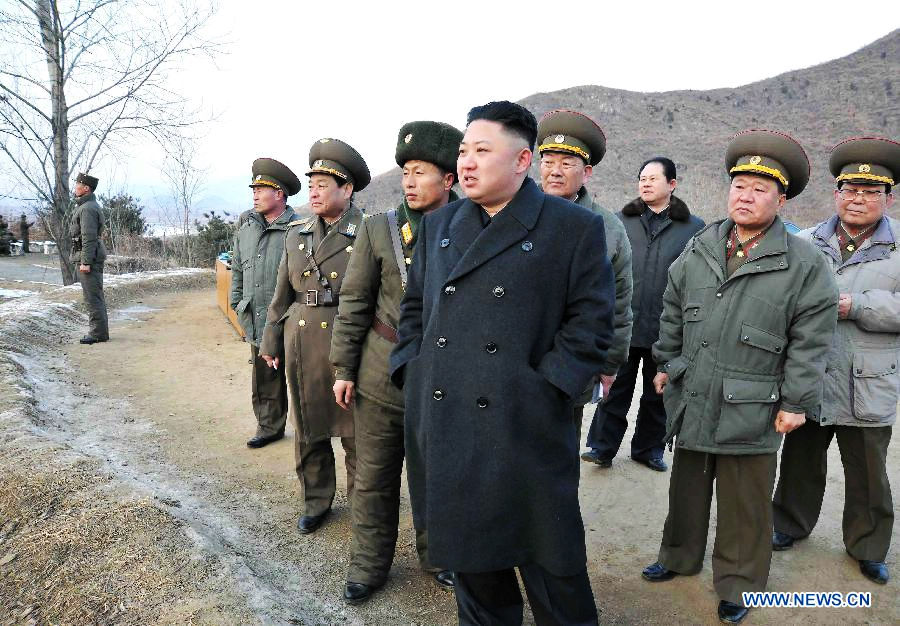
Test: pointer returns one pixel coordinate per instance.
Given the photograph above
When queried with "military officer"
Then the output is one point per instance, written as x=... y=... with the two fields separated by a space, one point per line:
x=365 y=330
x=87 y=247
x=301 y=318
x=748 y=315
x=507 y=316
x=862 y=377
x=571 y=145
x=258 y=246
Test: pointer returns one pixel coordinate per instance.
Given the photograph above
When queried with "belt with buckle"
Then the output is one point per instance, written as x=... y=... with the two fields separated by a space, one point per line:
x=312 y=297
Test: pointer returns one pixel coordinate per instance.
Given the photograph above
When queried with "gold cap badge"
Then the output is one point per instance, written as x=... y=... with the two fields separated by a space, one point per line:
x=324 y=140
x=408 y=138
x=560 y=138
x=754 y=160
x=865 y=168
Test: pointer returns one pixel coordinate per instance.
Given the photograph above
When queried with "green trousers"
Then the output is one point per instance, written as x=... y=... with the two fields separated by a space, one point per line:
x=92 y=289
x=315 y=467
x=268 y=393
x=868 y=508
x=376 y=496
x=743 y=546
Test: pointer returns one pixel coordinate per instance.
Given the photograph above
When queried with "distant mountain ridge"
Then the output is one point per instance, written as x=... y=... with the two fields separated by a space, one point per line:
x=818 y=106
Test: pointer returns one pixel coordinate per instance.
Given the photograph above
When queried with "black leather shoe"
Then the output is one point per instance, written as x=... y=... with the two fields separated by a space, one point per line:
x=781 y=541
x=731 y=613
x=88 y=340
x=656 y=573
x=445 y=579
x=592 y=456
x=357 y=593
x=657 y=465
x=876 y=571
x=310 y=523
x=259 y=442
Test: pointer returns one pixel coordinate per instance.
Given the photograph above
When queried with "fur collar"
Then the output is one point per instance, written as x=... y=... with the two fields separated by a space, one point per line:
x=678 y=210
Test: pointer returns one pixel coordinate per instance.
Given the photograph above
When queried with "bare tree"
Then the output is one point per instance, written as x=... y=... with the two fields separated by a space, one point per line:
x=185 y=181
x=84 y=79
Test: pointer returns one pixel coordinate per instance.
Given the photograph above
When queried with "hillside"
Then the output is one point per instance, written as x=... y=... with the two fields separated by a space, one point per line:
x=819 y=106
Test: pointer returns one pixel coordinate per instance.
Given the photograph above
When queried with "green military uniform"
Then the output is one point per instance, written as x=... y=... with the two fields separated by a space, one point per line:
x=737 y=348
x=87 y=248
x=570 y=132
x=365 y=333
x=862 y=376
x=258 y=248
x=300 y=321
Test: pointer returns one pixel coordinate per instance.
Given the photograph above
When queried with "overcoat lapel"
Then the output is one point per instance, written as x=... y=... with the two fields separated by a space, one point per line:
x=479 y=245
x=336 y=239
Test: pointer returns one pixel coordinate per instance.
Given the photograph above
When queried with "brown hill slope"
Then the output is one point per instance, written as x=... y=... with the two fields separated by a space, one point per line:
x=819 y=106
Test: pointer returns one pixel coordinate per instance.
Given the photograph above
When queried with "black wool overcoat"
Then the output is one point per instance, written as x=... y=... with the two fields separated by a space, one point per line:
x=501 y=329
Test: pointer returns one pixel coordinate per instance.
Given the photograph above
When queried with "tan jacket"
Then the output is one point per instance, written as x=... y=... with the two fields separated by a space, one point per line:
x=862 y=371
x=300 y=318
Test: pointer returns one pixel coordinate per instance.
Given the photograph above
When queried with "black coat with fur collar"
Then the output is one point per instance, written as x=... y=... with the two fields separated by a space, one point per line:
x=650 y=261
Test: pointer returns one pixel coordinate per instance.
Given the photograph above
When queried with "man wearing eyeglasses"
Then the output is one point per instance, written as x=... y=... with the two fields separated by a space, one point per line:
x=862 y=373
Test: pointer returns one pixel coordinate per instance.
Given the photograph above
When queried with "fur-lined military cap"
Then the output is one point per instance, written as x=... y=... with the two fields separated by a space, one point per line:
x=333 y=156
x=865 y=160
x=434 y=142
x=87 y=179
x=272 y=173
x=571 y=132
x=769 y=153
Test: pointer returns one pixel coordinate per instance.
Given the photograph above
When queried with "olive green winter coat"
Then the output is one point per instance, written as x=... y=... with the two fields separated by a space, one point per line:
x=739 y=349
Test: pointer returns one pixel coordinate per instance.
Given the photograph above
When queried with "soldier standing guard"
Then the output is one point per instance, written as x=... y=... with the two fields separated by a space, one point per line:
x=24 y=226
x=571 y=145
x=748 y=315
x=258 y=247
x=87 y=247
x=862 y=377
x=301 y=318
x=364 y=333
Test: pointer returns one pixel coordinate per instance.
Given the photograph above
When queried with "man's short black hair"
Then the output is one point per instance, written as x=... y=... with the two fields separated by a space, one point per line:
x=667 y=165
x=514 y=117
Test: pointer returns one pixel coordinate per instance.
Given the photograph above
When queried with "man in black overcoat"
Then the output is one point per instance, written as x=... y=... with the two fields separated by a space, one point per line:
x=508 y=314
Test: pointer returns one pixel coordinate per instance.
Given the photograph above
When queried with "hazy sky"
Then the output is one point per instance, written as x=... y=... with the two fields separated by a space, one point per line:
x=298 y=71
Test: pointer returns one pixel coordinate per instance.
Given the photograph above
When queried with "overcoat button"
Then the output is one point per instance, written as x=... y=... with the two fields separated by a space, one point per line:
x=438 y=394
x=324 y=325
x=482 y=403
x=499 y=291
x=445 y=243
x=441 y=342
x=333 y=275
x=777 y=349
x=301 y=323
x=859 y=371
x=306 y=273
x=704 y=343
x=449 y=289
x=693 y=394
x=773 y=396
x=731 y=396
x=491 y=348
x=349 y=249
x=746 y=337
x=527 y=246
x=719 y=295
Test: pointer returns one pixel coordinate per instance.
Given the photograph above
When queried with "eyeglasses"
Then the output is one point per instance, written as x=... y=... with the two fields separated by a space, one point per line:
x=868 y=195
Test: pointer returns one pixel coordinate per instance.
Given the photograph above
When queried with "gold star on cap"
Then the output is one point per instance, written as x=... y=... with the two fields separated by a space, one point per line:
x=408 y=138
x=865 y=168
x=560 y=138
x=754 y=160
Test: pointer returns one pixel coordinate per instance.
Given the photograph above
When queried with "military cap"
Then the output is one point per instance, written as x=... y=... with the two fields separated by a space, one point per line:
x=87 y=179
x=434 y=142
x=866 y=160
x=333 y=156
x=572 y=133
x=771 y=154
x=272 y=173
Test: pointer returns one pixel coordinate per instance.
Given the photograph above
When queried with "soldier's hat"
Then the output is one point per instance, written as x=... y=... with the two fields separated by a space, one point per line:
x=434 y=142
x=87 y=179
x=272 y=173
x=333 y=156
x=866 y=160
x=571 y=132
x=771 y=154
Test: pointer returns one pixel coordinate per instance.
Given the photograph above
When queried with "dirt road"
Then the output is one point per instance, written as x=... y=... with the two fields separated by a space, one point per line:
x=126 y=473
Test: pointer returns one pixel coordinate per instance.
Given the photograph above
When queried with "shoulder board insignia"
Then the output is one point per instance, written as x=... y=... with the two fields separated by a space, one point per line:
x=296 y=223
x=406 y=231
